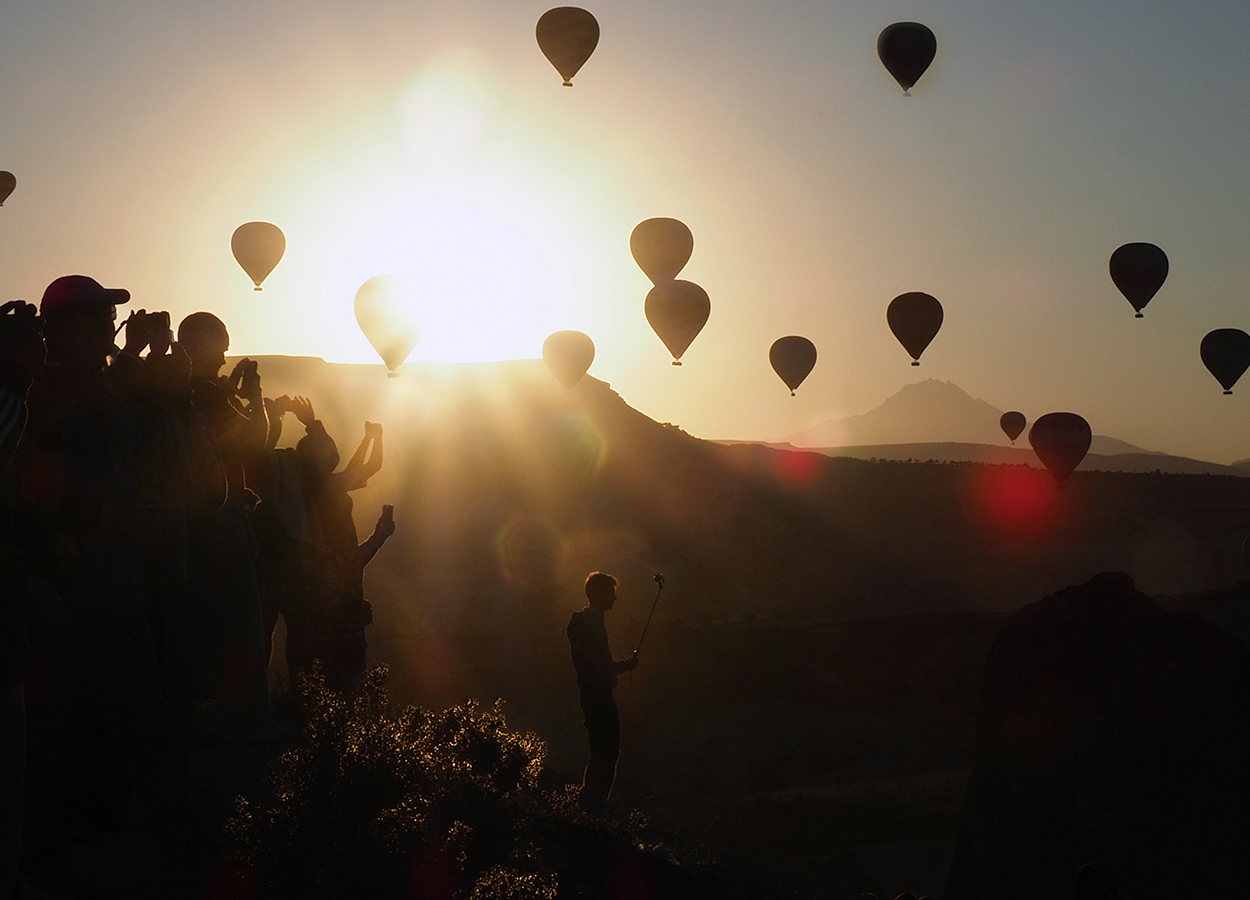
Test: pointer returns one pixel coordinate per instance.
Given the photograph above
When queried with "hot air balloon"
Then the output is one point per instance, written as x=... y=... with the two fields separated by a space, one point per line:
x=1226 y=354
x=661 y=247
x=568 y=354
x=1012 y=423
x=258 y=247
x=567 y=36
x=793 y=357
x=906 y=49
x=915 y=319
x=1139 y=270
x=1060 y=441
x=8 y=181
x=385 y=315
x=677 y=311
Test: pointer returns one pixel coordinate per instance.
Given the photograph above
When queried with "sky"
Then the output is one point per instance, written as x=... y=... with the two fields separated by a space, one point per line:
x=432 y=139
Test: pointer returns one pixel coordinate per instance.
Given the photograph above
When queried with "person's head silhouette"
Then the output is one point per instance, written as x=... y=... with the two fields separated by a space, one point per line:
x=319 y=453
x=78 y=315
x=204 y=338
x=600 y=590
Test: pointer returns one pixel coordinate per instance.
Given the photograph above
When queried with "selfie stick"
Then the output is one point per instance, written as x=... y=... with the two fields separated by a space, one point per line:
x=658 y=578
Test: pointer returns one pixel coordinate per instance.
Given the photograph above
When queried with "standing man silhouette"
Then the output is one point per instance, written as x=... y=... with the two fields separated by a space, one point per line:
x=596 y=677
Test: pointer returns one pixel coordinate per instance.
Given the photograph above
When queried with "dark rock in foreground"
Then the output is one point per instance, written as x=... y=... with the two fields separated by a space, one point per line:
x=1111 y=732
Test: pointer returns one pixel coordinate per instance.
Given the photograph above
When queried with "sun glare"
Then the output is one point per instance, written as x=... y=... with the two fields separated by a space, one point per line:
x=474 y=206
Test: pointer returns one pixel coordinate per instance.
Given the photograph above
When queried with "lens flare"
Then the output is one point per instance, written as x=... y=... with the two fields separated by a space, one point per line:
x=1013 y=499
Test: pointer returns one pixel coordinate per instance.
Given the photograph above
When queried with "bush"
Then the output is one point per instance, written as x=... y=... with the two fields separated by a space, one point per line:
x=377 y=804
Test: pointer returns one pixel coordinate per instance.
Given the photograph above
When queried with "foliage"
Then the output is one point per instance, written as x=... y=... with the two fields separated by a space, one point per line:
x=377 y=803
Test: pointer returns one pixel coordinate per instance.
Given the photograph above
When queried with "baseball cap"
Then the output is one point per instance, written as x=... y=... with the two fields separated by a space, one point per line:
x=78 y=293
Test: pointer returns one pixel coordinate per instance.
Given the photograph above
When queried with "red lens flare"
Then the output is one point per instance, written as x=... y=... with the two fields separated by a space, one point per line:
x=1013 y=499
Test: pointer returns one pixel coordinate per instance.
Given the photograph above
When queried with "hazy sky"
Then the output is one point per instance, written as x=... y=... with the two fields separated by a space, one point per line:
x=434 y=138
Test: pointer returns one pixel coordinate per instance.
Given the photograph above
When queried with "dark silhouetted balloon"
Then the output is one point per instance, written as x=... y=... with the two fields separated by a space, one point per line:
x=677 y=311
x=385 y=315
x=1139 y=270
x=1012 y=423
x=1226 y=354
x=915 y=319
x=258 y=247
x=568 y=354
x=1060 y=441
x=661 y=247
x=567 y=36
x=8 y=181
x=906 y=49
x=793 y=357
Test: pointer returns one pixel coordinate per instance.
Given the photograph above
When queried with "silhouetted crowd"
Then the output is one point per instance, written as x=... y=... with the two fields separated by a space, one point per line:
x=153 y=534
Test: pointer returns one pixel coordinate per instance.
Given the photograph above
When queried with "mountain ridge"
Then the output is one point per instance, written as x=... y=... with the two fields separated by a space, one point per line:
x=928 y=412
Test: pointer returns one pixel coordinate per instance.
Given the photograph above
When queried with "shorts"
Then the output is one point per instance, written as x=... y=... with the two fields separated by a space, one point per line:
x=603 y=723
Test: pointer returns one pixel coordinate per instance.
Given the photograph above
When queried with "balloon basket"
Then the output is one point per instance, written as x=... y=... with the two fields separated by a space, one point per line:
x=906 y=93
x=915 y=362
x=677 y=362
x=392 y=374
x=792 y=393
x=257 y=288
x=568 y=84
x=1228 y=392
x=1139 y=316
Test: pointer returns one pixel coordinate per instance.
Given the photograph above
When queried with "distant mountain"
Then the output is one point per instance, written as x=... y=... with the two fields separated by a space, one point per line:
x=928 y=412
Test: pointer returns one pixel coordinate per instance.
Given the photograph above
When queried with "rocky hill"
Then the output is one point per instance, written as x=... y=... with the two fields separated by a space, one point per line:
x=508 y=489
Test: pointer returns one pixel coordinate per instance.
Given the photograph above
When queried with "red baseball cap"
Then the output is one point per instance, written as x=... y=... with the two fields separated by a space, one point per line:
x=77 y=293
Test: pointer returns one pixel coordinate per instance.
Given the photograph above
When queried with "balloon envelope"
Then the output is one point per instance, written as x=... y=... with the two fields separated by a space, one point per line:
x=1012 y=423
x=906 y=49
x=1060 y=441
x=567 y=35
x=384 y=313
x=661 y=247
x=677 y=311
x=793 y=358
x=8 y=181
x=1226 y=354
x=568 y=354
x=915 y=319
x=258 y=247
x=1139 y=270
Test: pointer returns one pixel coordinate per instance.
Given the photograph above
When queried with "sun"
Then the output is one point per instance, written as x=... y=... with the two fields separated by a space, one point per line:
x=476 y=280
x=480 y=213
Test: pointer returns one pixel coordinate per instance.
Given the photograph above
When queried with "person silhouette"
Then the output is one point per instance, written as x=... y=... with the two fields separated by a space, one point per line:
x=341 y=613
x=84 y=475
x=227 y=648
x=22 y=356
x=311 y=567
x=597 y=675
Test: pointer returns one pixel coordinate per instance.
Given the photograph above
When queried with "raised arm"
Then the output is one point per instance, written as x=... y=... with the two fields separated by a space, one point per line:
x=358 y=458
x=381 y=531
x=274 y=410
x=360 y=469
x=373 y=465
x=255 y=433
